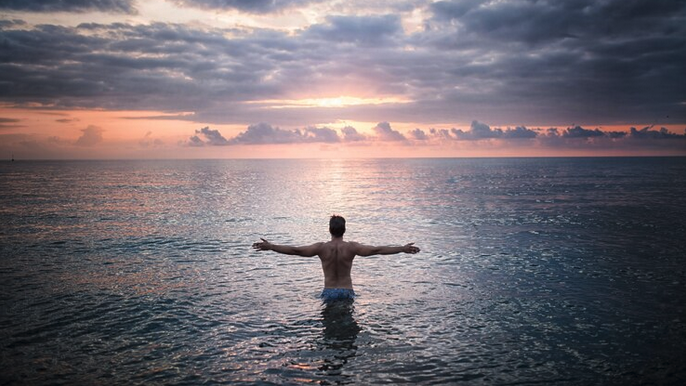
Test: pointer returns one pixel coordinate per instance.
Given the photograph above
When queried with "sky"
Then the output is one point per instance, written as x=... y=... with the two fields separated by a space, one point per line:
x=132 y=79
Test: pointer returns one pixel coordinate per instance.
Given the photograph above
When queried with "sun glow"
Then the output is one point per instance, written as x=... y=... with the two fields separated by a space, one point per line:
x=341 y=101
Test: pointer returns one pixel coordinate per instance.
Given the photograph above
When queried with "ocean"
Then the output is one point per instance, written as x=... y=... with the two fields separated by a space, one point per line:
x=559 y=271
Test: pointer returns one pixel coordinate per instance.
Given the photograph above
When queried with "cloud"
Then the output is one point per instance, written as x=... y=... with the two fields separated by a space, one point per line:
x=440 y=133
x=149 y=141
x=350 y=134
x=366 y=30
x=263 y=133
x=195 y=141
x=477 y=131
x=212 y=137
x=385 y=133
x=645 y=139
x=648 y=133
x=450 y=10
x=322 y=134
x=580 y=132
x=481 y=130
x=520 y=132
x=418 y=134
x=583 y=47
x=66 y=120
x=529 y=62
x=92 y=135
x=9 y=123
x=115 y=6
x=536 y=22
x=575 y=137
x=11 y=23
x=248 y=6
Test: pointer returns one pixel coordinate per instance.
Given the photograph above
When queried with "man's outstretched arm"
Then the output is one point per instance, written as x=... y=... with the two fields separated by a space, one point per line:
x=368 y=250
x=306 y=251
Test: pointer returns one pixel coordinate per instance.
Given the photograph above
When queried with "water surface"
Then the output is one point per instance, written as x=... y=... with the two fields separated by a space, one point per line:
x=556 y=271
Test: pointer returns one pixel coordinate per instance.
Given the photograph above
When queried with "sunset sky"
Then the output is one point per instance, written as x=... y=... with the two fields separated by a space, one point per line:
x=351 y=78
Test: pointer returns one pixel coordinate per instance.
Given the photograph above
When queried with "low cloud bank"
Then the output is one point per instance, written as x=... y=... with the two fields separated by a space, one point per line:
x=264 y=133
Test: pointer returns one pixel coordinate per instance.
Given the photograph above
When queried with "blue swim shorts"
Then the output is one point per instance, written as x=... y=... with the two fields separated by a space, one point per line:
x=330 y=294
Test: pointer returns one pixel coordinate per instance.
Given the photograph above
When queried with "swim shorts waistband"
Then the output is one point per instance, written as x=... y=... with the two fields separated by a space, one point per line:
x=337 y=294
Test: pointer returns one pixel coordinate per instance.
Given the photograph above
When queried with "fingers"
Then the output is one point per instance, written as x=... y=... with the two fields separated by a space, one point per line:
x=411 y=248
x=260 y=246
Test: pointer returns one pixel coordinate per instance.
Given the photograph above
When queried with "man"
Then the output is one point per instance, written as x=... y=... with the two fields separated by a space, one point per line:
x=336 y=257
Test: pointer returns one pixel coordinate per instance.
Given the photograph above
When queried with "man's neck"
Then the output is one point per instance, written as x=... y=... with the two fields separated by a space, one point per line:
x=334 y=238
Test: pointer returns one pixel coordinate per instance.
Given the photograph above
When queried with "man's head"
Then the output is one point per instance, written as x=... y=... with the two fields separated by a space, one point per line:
x=337 y=226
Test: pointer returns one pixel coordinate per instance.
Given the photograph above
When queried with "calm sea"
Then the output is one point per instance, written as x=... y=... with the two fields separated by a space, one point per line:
x=556 y=271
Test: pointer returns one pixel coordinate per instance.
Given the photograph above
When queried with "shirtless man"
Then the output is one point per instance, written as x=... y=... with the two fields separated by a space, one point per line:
x=336 y=257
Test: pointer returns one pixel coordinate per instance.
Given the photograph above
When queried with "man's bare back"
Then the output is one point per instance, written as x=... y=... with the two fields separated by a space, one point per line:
x=337 y=260
x=336 y=255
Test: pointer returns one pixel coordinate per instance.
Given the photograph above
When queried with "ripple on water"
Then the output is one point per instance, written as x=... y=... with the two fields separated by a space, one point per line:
x=551 y=271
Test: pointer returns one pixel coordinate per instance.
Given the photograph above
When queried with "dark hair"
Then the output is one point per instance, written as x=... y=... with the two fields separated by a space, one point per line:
x=337 y=226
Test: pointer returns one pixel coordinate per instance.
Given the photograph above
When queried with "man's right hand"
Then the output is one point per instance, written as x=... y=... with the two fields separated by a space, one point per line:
x=410 y=248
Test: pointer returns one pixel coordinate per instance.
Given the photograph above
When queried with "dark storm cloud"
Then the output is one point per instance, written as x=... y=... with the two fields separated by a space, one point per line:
x=366 y=30
x=533 y=21
x=159 y=66
x=249 y=6
x=578 y=60
x=507 y=62
x=11 y=23
x=118 y=6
